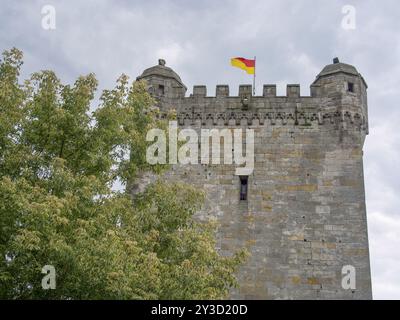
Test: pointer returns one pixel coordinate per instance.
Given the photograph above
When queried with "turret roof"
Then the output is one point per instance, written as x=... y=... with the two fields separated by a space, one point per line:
x=338 y=67
x=161 y=70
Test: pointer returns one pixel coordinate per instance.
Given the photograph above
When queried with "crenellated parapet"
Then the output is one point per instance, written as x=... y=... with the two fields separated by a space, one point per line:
x=337 y=96
x=245 y=90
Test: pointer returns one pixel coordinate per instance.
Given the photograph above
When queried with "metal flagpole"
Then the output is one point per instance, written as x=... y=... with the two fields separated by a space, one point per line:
x=254 y=77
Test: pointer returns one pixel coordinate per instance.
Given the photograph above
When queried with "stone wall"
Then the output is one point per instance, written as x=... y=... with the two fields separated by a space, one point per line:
x=305 y=216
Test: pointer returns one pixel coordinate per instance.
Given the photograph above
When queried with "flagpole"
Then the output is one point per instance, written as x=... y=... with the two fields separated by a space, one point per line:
x=254 y=77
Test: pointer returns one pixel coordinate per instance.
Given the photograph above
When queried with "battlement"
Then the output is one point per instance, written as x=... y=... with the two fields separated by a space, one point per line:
x=269 y=90
x=337 y=96
x=333 y=77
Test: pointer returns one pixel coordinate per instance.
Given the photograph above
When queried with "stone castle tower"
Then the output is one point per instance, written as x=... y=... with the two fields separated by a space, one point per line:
x=301 y=212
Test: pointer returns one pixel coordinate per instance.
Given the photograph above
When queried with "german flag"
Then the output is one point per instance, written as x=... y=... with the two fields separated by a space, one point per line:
x=245 y=64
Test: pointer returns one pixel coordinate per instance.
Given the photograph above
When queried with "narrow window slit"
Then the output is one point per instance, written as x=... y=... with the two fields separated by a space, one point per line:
x=161 y=90
x=243 y=187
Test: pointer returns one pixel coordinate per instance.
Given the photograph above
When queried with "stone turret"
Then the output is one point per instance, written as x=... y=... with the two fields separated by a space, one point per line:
x=164 y=83
x=346 y=87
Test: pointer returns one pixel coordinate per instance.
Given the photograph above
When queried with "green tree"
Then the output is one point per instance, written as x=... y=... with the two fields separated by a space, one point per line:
x=58 y=163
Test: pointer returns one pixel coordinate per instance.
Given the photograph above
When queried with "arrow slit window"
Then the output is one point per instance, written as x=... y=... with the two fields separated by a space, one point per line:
x=161 y=90
x=243 y=187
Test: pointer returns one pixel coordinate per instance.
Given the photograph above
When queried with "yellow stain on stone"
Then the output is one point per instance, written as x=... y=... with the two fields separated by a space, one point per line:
x=225 y=181
x=356 y=152
x=301 y=187
x=356 y=252
x=249 y=218
x=294 y=154
x=296 y=280
x=349 y=183
x=321 y=245
x=297 y=237
x=267 y=207
x=331 y=245
x=327 y=183
x=276 y=132
x=312 y=281
x=266 y=195
x=250 y=242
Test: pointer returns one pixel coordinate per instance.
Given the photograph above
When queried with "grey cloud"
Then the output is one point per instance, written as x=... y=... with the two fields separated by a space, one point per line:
x=292 y=40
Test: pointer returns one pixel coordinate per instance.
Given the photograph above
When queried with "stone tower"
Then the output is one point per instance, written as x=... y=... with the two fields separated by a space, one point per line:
x=303 y=215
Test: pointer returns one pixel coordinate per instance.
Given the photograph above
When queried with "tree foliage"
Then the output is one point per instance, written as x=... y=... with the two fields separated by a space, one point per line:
x=58 y=163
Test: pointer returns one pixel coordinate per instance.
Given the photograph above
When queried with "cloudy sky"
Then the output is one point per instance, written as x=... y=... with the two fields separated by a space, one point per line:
x=292 y=40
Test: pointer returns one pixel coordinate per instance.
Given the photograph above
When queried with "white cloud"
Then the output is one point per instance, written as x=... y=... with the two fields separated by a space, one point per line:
x=385 y=253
